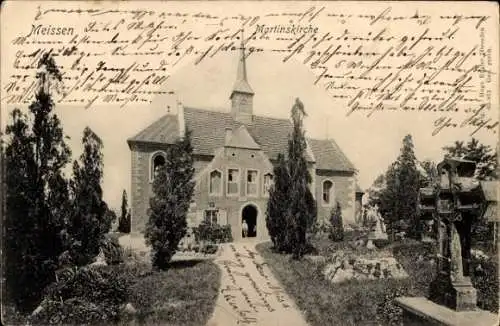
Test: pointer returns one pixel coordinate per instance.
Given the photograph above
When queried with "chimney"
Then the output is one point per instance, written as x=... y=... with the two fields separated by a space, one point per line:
x=229 y=133
x=180 y=117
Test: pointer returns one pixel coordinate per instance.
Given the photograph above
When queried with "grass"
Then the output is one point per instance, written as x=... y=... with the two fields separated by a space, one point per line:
x=354 y=302
x=185 y=294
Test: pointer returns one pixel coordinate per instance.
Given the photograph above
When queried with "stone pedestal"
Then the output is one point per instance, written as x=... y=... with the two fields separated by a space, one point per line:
x=459 y=295
x=421 y=311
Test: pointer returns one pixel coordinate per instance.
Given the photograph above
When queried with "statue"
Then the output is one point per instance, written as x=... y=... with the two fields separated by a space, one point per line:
x=377 y=231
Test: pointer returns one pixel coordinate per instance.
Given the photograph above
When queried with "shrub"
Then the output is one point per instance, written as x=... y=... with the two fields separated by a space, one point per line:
x=85 y=295
x=337 y=228
x=113 y=252
x=213 y=233
x=484 y=278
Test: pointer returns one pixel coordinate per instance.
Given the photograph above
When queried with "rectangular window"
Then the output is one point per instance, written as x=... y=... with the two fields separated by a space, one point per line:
x=233 y=178
x=211 y=216
x=252 y=182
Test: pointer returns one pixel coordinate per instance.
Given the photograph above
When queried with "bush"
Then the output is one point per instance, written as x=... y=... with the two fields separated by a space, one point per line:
x=485 y=280
x=213 y=233
x=337 y=228
x=85 y=295
x=113 y=252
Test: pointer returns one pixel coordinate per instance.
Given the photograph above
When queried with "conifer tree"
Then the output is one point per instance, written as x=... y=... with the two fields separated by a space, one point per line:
x=277 y=205
x=408 y=187
x=173 y=188
x=90 y=219
x=36 y=194
x=124 y=221
x=301 y=210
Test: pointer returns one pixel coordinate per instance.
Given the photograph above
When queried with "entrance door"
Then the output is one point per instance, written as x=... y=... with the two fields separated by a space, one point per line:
x=249 y=215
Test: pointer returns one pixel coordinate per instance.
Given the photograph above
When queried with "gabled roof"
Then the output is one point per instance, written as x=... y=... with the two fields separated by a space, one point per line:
x=329 y=156
x=242 y=139
x=209 y=131
x=163 y=130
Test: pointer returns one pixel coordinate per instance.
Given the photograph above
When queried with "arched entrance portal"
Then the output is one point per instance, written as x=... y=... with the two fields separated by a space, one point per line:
x=249 y=215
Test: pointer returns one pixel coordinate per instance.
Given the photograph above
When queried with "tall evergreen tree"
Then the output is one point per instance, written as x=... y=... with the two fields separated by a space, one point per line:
x=90 y=219
x=173 y=188
x=388 y=200
x=36 y=194
x=409 y=185
x=301 y=210
x=277 y=205
x=124 y=221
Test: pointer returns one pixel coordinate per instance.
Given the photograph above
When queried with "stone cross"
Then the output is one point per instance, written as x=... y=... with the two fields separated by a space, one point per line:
x=454 y=202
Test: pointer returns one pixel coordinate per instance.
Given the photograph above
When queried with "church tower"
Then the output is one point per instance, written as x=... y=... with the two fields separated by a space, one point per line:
x=242 y=94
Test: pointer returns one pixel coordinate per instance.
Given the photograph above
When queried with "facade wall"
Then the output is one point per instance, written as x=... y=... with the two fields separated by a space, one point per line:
x=343 y=192
x=231 y=206
x=139 y=188
x=141 y=183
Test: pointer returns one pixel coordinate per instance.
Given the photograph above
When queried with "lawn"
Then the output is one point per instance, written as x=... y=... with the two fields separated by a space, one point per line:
x=183 y=295
x=356 y=302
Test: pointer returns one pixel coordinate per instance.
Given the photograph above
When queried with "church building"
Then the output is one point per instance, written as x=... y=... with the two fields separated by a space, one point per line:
x=234 y=155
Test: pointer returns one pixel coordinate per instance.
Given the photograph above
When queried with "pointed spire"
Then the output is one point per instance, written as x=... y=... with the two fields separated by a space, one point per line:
x=242 y=66
x=242 y=85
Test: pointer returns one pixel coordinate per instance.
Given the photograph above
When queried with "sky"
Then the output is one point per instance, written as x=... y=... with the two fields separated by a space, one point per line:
x=370 y=143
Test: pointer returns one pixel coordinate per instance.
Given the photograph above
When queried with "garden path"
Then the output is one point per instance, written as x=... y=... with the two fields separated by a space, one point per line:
x=249 y=293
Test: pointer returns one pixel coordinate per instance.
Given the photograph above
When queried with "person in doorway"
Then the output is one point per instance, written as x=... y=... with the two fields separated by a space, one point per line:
x=244 y=227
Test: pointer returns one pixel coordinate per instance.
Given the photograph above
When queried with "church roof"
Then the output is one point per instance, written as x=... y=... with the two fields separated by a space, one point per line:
x=209 y=131
x=329 y=156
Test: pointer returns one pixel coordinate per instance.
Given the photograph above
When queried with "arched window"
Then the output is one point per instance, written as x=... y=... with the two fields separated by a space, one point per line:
x=233 y=181
x=327 y=192
x=268 y=182
x=252 y=182
x=215 y=186
x=157 y=160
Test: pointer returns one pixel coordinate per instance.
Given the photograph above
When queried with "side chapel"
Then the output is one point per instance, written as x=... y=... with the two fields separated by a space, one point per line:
x=234 y=155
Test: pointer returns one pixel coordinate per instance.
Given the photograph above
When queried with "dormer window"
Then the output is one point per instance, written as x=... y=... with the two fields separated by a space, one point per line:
x=158 y=160
x=328 y=193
